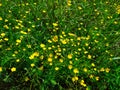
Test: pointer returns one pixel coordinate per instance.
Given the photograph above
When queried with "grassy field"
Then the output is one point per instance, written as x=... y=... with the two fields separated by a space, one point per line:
x=59 y=44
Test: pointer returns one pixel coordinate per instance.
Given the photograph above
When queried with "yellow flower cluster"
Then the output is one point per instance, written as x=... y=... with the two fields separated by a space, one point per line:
x=69 y=3
x=75 y=78
x=82 y=82
x=118 y=9
x=32 y=56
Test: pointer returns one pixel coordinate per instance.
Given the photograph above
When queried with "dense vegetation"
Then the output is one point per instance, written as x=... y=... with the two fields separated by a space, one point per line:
x=59 y=44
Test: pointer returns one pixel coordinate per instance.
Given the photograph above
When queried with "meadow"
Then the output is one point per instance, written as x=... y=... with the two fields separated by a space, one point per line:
x=59 y=44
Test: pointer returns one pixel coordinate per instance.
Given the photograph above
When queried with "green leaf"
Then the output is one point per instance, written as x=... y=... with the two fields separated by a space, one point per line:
x=53 y=82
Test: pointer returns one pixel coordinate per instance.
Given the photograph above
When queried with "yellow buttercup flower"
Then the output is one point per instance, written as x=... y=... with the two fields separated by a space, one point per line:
x=13 y=69
x=6 y=26
x=89 y=57
x=42 y=45
x=18 y=60
x=49 y=59
x=85 y=69
x=18 y=41
x=44 y=11
x=55 y=38
x=74 y=78
x=56 y=68
x=2 y=34
x=0 y=4
x=55 y=24
x=61 y=60
x=70 y=67
x=82 y=82
x=118 y=9
x=36 y=54
x=91 y=76
x=1 y=18
x=31 y=57
x=32 y=65
x=107 y=70
x=6 y=39
x=69 y=56
x=102 y=69
x=64 y=41
x=92 y=64
x=97 y=78
x=0 y=69
x=75 y=70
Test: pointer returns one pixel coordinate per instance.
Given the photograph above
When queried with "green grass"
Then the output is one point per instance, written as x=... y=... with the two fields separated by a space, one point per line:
x=59 y=45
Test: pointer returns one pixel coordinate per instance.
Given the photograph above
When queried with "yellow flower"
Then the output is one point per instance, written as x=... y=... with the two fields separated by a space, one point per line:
x=55 y=38
x=56 y=68
x=28 y=29
x=17 y=27
x=107 y=70
x=95 y=69
x=32 y=65
x=69 y=3
x=97 y=78
x=49 y=59
x=91 y=76
x=36 y=54
x=102 y=69
x=61 y=60
x=0 y=69
x=64 y=41
x=82 y=83
x=50 y=55
x=70 y=62
x=0 y=4
x=13 y=69
x=89 y=56
x=41 y=57
x=6 y=26
x=31 y=57
x=69 y=56
x=42 y=45
x=71 y=34
x=18 y=41
x=70 y=67
x=92 y=64
x=6 y=39
x=74 y=78
x=18 y=60
x=44 y=11
x=85 y=69
x=33 y=26
x=29 y=46
x=2 y=34
x=1 y=18
x=55 y=24
x=79 y=7
x=49 y=41
x=75 y=70
x=22 y=32
x=96 y=41
x=50 y=64
x=118 y=9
